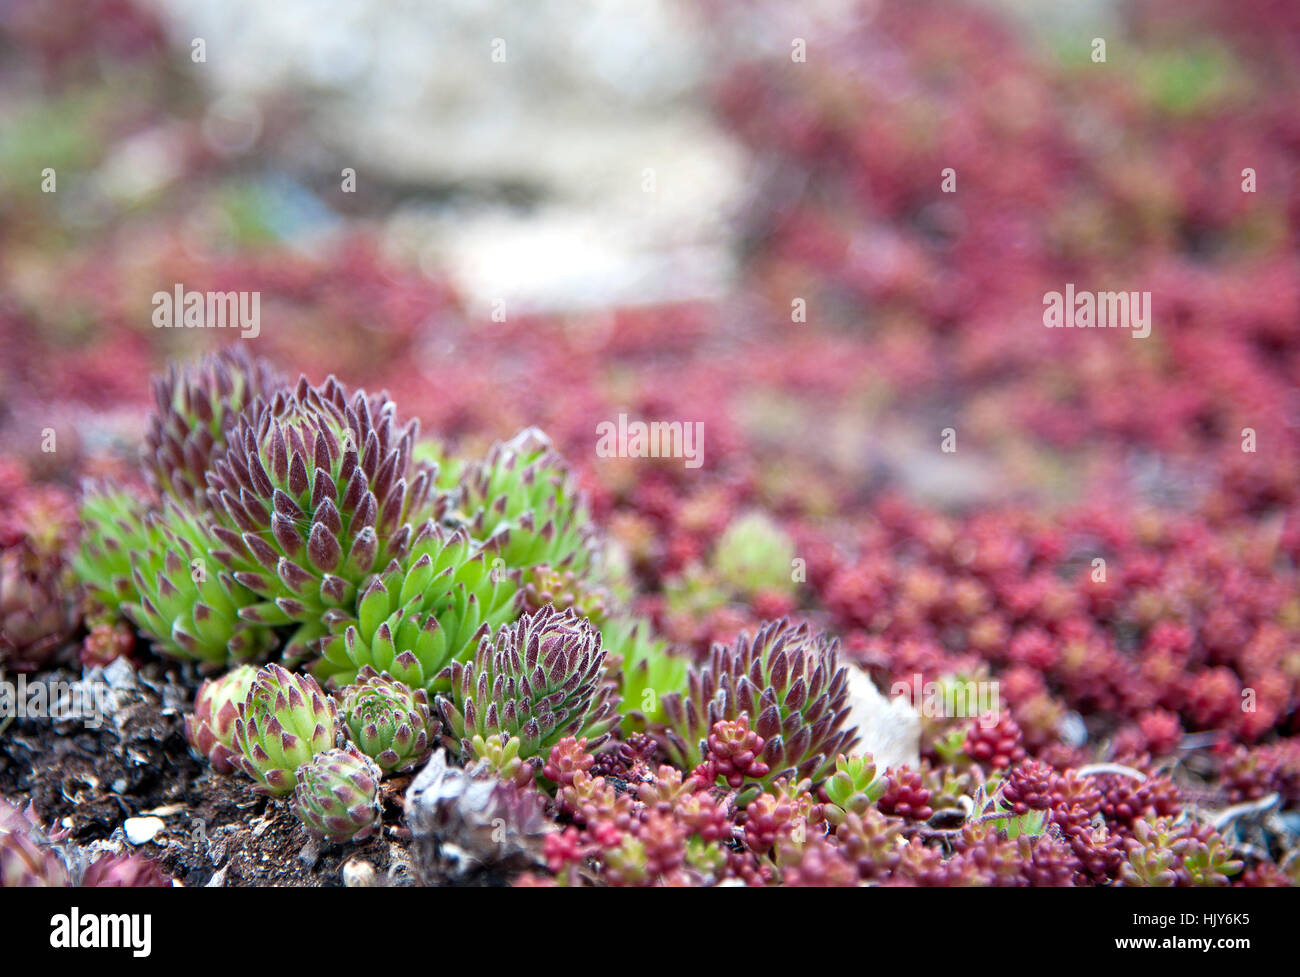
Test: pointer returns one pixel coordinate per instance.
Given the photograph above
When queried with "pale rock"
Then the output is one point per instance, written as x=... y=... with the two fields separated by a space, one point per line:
x=888 y=729
x=140 y=830
x=359 y=874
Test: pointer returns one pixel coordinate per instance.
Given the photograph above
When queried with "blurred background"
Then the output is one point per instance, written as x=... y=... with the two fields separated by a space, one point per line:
x=575 y=162
x=721 y=211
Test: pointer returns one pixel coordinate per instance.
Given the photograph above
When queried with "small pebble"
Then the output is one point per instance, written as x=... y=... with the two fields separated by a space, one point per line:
x=358 y=874
x=140 y=830
x=309 y=854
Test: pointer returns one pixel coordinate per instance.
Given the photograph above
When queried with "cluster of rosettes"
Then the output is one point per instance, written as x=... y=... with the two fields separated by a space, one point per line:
x=528 y=686
x=324 y=529
x=307 y=518
x=281 y=730
x=1197 y=616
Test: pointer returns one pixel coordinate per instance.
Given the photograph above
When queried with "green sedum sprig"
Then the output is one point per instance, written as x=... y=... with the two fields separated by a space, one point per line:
x=852 y=788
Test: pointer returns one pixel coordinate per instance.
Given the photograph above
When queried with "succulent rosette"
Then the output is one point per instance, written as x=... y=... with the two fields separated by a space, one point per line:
x=38 y=609
x=26 y=861
x=787 y=680
x=312 y=494
x=523 y=500
x=210 y=729
x=539 y=679
x=195 y=407
x=388 y=720
x=643 y=669
x=285 y=720
x=336 y=796
x=754 y=556
x=185 y=601
x=112 y=529
x=564 y=589
x=420 y=614
x=124 y=871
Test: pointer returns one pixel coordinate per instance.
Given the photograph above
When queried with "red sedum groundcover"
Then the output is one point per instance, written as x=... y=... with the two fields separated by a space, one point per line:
x=956 y=544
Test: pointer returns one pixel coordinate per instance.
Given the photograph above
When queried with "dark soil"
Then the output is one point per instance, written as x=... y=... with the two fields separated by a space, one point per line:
x=84 y=783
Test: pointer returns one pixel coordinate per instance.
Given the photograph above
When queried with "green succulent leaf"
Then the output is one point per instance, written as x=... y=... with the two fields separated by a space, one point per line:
x=184 y=601
x=113 y=528
x=524 y=503
x=643 y=668
x=421 y=614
